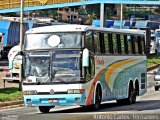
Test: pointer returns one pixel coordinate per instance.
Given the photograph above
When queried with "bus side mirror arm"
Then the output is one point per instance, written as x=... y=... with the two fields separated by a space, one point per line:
x=20 y=53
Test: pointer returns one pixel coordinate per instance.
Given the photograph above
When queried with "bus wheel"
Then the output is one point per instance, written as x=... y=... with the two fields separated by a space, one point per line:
x=131 y=95
x=44 y=109
x=98 y=97
x=121 y=101
x=156 y=88
x=156 y=52
x=134 y=96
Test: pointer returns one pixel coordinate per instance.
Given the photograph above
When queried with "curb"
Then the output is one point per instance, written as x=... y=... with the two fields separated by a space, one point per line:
x=11 y=104
x=153 y=67
x=20 y=103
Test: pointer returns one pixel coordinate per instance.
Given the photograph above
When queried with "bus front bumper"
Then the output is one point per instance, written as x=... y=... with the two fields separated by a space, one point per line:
x=54 y=100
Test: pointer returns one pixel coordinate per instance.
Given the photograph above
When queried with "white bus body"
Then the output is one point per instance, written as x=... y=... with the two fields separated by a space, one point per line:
x=55 y=76
x=157 y=33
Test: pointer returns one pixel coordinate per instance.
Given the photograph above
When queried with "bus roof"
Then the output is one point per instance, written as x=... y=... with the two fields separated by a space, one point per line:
x=81 y=28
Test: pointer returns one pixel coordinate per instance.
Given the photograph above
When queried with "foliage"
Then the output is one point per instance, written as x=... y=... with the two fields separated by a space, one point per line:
x=13 y=14
x=111 y=11
x=81 y=11
x=90 y=19
x=48 y=13
x=93 y=9
x=138 y=11
x=158 y=9
x=10 y=94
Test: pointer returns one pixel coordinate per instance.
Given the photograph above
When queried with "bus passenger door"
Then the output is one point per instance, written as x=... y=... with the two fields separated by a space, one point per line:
x=89 y=73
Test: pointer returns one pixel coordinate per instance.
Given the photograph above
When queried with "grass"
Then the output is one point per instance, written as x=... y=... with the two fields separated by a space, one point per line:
x=153 y=60
x=10 y=94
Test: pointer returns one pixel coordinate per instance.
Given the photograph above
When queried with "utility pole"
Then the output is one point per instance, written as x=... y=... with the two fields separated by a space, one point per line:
x=21 y=25
x=101 y=14
x=21 y=41
x=121 y=25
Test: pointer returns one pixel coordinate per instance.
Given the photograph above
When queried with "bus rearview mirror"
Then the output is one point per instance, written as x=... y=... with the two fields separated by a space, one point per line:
x=85 y=58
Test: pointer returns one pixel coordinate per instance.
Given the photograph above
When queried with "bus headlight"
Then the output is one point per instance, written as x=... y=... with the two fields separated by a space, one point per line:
x=30 y=92
x=16 y=65
x=75 y=91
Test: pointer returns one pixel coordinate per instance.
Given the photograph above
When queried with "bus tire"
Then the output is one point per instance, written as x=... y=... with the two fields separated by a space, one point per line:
x=156 y=88
x=156 y=52
x=134 y=96
x=98 y=97
x=121 y=101
x=20 y=86
x=131 y=95
x=44 y=109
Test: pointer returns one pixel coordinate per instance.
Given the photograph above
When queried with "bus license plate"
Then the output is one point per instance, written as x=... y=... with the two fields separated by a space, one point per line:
x=53 y=100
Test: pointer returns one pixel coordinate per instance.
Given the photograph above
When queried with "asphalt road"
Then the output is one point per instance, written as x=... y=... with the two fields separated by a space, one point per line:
x=147 y=107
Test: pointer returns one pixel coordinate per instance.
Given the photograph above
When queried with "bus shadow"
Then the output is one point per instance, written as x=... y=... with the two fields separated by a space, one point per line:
x=108 y=107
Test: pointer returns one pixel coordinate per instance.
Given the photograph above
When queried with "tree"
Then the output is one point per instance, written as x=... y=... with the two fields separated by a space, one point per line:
x=93 y=9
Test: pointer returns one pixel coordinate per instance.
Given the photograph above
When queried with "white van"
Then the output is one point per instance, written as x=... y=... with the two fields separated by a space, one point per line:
x=14 y=65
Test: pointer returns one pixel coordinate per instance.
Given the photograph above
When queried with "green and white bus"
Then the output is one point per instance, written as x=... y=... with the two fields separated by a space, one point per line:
x=83 y=65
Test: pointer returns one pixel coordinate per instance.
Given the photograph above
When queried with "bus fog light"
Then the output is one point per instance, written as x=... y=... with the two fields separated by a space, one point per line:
x=16 y=66
x=30 y=92
x=70 y=91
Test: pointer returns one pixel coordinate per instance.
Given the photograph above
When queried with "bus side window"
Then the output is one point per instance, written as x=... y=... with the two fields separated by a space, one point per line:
x=89 y=40
x=136 y=45
x=92 y=66
x=122 y=44
x=106 y=43
x=119 y=46
x=96 y=42
x=90 y=71
x=139 y=45
x=133 y=44
x=129 y=44
x=114 y=39
x=143 y=45
x=125 y=44
x=102 y=45
x=110 y=41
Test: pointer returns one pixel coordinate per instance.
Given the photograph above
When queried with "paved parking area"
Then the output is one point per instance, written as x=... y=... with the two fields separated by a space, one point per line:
x=7 y=84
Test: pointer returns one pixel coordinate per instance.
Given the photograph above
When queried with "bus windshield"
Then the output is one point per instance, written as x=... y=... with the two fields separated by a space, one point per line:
x=66 y=66
x=53 y=40
x=56 y=66
x=37 y=65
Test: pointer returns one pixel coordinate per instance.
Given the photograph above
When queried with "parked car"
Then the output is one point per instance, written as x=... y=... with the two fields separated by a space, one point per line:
x=157 y=79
